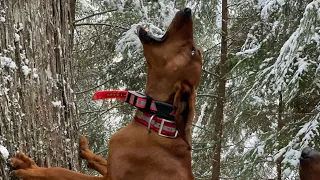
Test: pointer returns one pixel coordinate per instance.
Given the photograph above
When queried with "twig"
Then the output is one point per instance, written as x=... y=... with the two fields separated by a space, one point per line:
x=95 y=14
x=206 y=71
x=207 y=95
x=102 y=24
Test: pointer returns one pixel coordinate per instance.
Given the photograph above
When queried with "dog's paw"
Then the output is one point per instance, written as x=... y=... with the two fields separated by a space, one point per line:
x=85 y=152
x=21 y=161
x=22 y=164
x=84 y=144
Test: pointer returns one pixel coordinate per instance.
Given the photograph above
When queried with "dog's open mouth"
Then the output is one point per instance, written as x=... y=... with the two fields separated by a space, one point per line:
x=148 y=38
x=181 y=24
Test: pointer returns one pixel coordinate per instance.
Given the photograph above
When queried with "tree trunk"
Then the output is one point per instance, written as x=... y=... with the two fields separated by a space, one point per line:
x=38 y=113
x=221 y=92
x=280 y=126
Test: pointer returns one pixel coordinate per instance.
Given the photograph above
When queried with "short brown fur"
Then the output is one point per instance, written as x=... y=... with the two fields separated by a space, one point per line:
x=173 y=74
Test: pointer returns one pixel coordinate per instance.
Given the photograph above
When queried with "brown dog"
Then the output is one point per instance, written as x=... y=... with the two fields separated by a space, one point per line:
x=309 y=164
x=136 y=153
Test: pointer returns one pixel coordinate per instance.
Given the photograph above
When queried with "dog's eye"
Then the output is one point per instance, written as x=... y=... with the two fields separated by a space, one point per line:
x=193 y=51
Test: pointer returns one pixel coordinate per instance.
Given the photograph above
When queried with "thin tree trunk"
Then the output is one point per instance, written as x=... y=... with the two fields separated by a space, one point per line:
x=37 y=112
x=280 y=126
x=221 y=92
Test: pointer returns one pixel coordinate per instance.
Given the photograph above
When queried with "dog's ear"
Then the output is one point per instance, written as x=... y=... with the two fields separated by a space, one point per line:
x=184 y=102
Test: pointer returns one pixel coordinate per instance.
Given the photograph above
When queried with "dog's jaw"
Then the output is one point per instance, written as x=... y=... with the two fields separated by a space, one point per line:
x=147 y=37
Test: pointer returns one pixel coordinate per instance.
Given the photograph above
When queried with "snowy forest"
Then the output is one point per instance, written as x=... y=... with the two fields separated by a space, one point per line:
x=257 y=105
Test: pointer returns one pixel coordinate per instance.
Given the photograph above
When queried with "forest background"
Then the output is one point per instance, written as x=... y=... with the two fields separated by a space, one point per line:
x=258 y=103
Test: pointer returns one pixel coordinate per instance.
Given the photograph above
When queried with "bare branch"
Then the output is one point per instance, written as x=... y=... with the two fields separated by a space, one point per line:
x=201 y=127
x=112 y=78
x=93 y=88
x=95 y=14
x=89 y=112
x=206 y=71
x=105 y=111
x=102 y=24
x=207 y=95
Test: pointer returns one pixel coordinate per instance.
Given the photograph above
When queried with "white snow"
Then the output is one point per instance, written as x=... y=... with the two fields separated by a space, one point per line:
x=35 y=73
x=2 y=19
x=4 y=152
x=141 y=75
x=250 y=142
x=288 y=68
x=260 y=150
x=56 y=103
x=26 y=70
x=36 y=76
x=16 y=37
x=258 y=100
x=130 y=40
x=268 y=6
x=4 y=91
x=316 y=38
x=248 y=51
x=86 y=5
x=117 y=59
x=167 y=12
x=7 y=62
x=250 y=47
x=200 y=120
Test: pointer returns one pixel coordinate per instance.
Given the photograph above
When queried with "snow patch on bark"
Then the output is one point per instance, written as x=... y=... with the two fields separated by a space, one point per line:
x=26 y=70
x=16 y=37
x=56 y=104
x=4 y=152
x=7 y=62
x=2 y=19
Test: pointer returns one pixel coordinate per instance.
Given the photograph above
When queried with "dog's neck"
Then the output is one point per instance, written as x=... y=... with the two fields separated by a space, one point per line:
x=160 y=92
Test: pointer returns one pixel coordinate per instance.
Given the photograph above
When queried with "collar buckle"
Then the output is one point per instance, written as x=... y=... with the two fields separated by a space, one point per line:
x=149 y=123
x=161 y=128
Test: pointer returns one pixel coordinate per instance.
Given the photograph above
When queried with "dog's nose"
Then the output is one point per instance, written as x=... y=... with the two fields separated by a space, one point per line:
x=306 y=152
x=187 y=11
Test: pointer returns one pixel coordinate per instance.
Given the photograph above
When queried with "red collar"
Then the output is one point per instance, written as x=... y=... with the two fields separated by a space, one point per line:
x=163 y=127
x=140 y=101
x=156 y=115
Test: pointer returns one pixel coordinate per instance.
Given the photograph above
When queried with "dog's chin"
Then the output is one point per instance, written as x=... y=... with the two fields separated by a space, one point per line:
x=147 y=38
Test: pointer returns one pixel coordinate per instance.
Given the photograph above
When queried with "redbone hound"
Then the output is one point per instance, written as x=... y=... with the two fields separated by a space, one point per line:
x=309 y=164
x=139 y=151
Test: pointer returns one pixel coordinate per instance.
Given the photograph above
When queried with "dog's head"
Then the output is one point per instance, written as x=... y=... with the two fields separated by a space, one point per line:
x=309 y=164
x=174 y=68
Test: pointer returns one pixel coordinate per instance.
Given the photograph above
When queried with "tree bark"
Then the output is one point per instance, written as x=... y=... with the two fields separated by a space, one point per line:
x=221 y=93
x=38 y=112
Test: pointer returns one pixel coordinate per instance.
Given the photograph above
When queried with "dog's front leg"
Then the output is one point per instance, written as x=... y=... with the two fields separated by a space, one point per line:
x=28 y=170
x=95 y=161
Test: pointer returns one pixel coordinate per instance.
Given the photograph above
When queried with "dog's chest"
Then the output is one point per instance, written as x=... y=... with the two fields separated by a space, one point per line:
x=135 y=154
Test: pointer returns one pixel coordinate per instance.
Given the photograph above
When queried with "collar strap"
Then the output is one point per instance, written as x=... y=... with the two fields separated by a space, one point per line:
x=141 y=101
x=163 y=127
